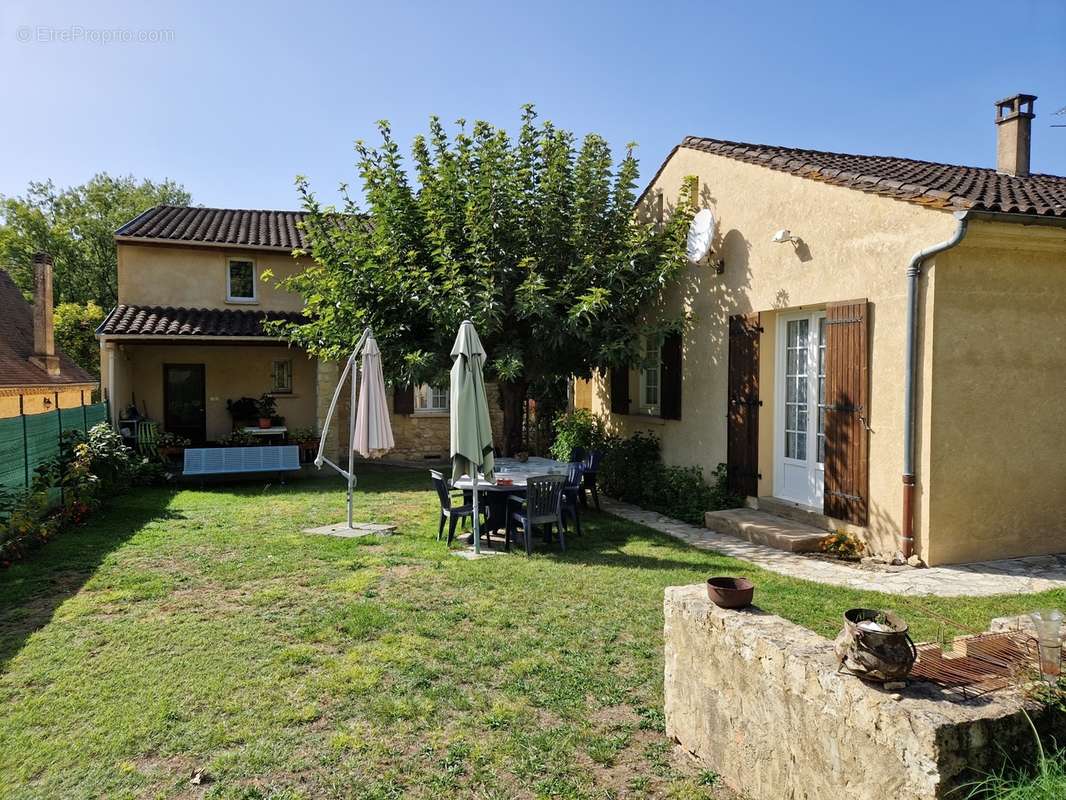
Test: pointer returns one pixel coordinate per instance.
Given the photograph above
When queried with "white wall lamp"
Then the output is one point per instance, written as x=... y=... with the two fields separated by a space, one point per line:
x=785 y=235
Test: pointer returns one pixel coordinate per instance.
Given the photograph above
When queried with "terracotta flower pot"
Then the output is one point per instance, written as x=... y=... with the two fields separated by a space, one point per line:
x=730 y=592
x=264 y=422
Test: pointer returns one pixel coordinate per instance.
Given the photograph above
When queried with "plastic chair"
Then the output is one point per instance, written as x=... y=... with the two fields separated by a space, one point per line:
x=572 y=492
x=447 y=511
x=592 y=466
x=542 y=505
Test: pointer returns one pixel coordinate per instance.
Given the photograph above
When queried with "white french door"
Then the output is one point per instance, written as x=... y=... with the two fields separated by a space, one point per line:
x=799 y=418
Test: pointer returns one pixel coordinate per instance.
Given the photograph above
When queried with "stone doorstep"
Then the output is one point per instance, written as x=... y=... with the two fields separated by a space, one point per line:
x=760 y=527
x=794 y=512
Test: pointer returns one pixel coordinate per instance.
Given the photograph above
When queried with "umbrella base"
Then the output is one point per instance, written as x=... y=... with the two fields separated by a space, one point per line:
x=342 y=530
x=470 y=555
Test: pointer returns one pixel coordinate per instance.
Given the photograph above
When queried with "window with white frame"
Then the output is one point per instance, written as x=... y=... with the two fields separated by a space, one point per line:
x=430 y=399
x=650 y=374
x=240 y=281
x=281 y=376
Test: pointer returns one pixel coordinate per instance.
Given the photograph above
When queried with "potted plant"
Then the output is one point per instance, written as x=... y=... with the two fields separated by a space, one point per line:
x=238 y=438
x=244 y=410
x=267 y=407
x=171 y=446
x=307 y=440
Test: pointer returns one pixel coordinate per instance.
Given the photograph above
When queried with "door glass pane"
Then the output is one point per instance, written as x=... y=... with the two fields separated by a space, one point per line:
x=796 y=359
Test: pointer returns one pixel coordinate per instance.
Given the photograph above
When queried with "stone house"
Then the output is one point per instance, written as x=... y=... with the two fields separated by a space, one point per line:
x=187 y=334
x=35 y=376
x=876 y=344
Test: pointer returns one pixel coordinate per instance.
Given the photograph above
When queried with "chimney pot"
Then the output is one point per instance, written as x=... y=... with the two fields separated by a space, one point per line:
x=44 y=346
x=1014 y=117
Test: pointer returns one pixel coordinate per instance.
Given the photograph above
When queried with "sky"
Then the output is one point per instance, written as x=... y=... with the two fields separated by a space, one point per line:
x=234 y=100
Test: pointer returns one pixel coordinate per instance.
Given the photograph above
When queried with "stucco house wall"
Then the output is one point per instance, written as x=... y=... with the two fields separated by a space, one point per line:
x=997 y=434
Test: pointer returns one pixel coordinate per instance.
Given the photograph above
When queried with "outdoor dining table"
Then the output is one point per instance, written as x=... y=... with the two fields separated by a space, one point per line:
x=518 y=472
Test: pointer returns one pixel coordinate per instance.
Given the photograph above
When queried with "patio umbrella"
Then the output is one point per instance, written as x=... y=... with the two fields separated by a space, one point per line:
x=471 y=429
x=369 y=429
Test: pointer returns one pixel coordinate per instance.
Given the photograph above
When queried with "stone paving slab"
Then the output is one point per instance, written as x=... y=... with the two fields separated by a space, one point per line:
x=980 y=579
x=342 y=530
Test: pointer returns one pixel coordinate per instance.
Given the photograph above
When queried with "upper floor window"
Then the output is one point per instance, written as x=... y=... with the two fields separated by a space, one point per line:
x=240 y=281
x=281 y=373
x=430 y=398
x=650 y=375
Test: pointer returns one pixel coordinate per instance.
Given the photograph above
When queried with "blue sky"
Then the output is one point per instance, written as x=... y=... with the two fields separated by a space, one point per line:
x=243 y=97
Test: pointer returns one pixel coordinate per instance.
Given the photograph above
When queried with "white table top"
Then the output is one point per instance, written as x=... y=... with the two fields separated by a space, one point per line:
x=517 y=471
x=276 y=430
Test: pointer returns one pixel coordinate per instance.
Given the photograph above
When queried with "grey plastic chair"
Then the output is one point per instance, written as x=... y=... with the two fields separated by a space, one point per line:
x=447 y=511
x=542 y=505
x=572 y=491
x=592 y=466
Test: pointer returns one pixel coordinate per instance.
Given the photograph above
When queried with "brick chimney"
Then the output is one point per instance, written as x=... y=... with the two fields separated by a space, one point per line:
x=1014 y=119
x=44 y=342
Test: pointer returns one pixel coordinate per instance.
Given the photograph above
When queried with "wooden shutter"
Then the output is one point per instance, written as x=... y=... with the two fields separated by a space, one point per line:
x=742 y=430
x=403 y=400
x=670 y=377
x=619 y=390
x=847 y=469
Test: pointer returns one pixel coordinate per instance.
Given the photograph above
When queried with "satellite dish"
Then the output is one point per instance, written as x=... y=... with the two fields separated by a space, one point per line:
x=700 y=235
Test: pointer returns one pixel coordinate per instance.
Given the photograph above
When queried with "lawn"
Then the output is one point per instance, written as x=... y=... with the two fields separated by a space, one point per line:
x=199 y=629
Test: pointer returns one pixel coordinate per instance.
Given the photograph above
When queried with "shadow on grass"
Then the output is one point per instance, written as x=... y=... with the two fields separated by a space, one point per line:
x=32 y=589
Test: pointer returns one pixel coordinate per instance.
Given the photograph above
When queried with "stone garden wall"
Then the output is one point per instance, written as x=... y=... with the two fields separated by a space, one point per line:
x=758 y=700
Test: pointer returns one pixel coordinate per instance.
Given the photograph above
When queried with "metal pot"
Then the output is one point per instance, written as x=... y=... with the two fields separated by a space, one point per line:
x=875 y=645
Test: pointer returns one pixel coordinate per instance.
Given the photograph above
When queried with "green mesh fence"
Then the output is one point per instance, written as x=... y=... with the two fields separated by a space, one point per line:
x=28 y=441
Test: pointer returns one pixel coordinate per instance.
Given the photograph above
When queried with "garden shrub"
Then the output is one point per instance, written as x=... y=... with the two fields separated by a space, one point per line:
x=89 y=468
x=632 y=470
x=578 y=428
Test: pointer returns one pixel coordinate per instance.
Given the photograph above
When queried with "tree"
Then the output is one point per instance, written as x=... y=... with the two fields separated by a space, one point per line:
x=75 y=332
x=77 y=227
x=534 y=240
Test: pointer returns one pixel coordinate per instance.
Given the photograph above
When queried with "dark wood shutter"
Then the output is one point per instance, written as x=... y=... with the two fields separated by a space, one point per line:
x=742 y=429
x=619 y=390
x=670 y=377
x=847 y=469
x=403 y=400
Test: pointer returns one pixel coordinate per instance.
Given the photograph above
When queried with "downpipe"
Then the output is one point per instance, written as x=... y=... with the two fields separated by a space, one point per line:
x=914 y=272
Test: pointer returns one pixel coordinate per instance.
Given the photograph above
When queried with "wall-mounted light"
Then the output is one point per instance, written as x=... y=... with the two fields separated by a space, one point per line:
x=784 y=235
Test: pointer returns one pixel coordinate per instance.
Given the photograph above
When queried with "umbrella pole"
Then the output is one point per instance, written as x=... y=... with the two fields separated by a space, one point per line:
x=477 y=525
x=351 y=442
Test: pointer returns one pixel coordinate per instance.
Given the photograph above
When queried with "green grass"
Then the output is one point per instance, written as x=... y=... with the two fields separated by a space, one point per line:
x=1047 y=782
x=182 y=630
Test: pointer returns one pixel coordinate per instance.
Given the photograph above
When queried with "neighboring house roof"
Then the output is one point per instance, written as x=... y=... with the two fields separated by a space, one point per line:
x=236 y=227
x=127 y=320
x=923 y=182
x=16 y=346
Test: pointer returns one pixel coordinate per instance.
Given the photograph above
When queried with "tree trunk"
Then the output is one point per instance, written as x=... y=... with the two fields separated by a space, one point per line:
x=513 y=396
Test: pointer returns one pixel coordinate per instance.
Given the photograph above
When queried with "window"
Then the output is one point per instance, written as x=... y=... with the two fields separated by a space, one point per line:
x=281 y=376
x=650 y=375
x=429 y=399
x=796 y=408
x=240 y=281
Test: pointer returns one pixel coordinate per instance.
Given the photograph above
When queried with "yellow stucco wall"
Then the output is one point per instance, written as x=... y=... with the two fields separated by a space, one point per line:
x=854 y=245
x=195 y=277
x=36 y=401
x=229 y=372
x=998 y=437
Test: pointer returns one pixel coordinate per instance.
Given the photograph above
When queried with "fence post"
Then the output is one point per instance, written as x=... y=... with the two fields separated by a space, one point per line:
x=84 y=413
x=25 y=443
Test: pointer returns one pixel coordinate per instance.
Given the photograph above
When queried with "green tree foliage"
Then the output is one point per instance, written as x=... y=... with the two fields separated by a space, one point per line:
x=77 y=226
x=75 y=332
x=533 y=239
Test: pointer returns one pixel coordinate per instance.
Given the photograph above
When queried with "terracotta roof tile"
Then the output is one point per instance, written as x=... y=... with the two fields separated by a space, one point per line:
x=167 y=321
x=16 y=345
x=226 y=226
x=924 y=182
